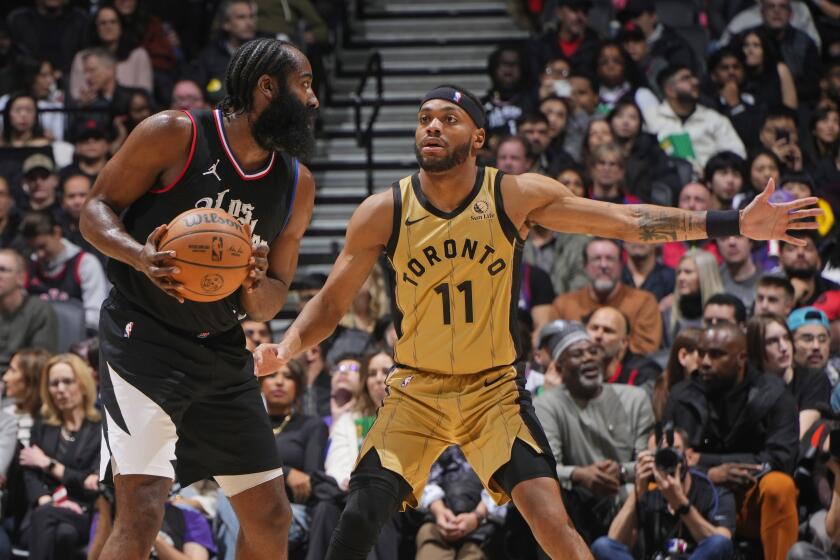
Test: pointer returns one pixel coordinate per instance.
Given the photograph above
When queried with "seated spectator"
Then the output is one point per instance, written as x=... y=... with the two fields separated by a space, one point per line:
x=574 y=178
x=798 y=51
x=779 y=135
x=9 y=215
x=27 y=321
x=606 y=169
x=509 y=97
x=698 y=279
x=92 y=150
x=184 y=533
x=140 y=107
x=514 y=155
x=803 y=266
x=663 y=42
x=633 y=39
x=187 y=96
x=74 y=190
x=40 y=80
x=739 y=272
x=696 y=198
x=683 y=363
x=648 y=173
x=770 y=349
x=594 y=430
x=824 y=139
x=134 y=67
x=22 y=128
x=256 y=333
x=103 y=97
x=618 y=79
x=533 y=127
x=724 y=174
x=61 y=271
x=598 y=133
x=571 y=39
x=801 y=185
x=767 y=77
x=811 y=332
x=37 y=29
x=557 y=111
x=362 y=379
x=553 y=79
x=683 y=505
x=609 y=327
x=745 y=15
x=774 y=295
x=829 y=303
x=40 y=182
x=825 y=525
x=584 y=98
x=370 y=304
x=684 y=128
x=301 y=441
x=762 y=166
x=238 y=26
x=458 y=511
x=730 y=94
x=724 y=308
x=740 y=422
x=602 y=264
x=62 y=462
x=644 y=271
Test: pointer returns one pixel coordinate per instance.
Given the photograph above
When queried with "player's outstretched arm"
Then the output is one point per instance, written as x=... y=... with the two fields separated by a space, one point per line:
x=263 y=298
x=534 y=199
x=367 y=235
x=134 y=169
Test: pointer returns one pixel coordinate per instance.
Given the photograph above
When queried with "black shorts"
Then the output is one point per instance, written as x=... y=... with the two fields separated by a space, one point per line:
x=179 y=406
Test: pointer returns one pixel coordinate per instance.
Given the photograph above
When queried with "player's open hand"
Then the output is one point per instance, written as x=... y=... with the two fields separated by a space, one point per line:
x=763 y=220
x=257 y=267
x=269 y=358
x=159 y=266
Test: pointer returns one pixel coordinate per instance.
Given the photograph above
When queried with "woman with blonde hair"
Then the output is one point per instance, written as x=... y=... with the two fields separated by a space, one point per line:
x=370 y=304
x=62 y=462
x=698 y=279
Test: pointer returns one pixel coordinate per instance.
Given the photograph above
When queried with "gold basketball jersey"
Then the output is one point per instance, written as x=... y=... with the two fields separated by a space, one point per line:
x=457 y=279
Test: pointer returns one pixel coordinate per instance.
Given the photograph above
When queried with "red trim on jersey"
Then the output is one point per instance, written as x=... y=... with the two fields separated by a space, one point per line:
x=78 y=266
x=617 y=374
x=815 y=437
x=217 y=118
x=186 y=165
x=632 y=379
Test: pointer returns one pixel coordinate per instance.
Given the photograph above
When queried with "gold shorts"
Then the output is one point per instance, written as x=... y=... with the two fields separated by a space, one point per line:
x=424 y=413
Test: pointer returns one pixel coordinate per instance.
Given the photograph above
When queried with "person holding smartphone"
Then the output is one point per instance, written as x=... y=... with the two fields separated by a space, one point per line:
x=680 y=512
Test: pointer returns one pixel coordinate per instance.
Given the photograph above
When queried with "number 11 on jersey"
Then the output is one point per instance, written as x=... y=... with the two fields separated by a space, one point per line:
x=465 y=288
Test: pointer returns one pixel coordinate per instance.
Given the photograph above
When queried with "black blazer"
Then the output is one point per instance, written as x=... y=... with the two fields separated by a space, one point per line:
x=81 y=459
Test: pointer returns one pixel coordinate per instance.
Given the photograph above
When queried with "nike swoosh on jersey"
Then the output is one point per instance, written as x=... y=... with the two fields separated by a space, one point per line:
x=409 y=222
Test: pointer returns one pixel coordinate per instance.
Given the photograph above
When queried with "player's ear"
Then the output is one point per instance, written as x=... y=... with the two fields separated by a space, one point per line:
x=266 y=86
x=479 y=136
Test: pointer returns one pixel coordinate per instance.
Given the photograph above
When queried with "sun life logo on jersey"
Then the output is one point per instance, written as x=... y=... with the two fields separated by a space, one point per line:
x=128 y=328
x=482 y=211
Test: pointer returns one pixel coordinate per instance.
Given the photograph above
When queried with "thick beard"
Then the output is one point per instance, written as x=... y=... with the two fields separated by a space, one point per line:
x=286 y=125
x=457 y=157
x=802 y=273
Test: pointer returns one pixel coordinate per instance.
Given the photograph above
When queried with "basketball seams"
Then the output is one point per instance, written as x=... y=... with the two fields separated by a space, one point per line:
x=193 y=263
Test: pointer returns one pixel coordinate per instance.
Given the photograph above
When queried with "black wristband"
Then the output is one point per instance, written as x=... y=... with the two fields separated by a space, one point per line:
x=683 y=509
x=723 y=223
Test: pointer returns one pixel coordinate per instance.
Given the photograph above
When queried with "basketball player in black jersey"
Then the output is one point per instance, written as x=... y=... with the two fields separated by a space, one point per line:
x=179 y=393
x=447 y=230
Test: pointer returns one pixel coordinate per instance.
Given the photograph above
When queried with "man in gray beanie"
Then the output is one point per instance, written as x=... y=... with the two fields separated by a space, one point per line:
x=594 y=429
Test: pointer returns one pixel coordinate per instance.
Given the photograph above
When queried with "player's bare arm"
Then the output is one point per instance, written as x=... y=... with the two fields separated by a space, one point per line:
x=135 y=168
x=264 y=291
x=535 y=199
x=367 y=235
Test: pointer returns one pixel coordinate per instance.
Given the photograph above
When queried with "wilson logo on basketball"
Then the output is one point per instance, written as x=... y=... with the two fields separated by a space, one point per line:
x=210 y=218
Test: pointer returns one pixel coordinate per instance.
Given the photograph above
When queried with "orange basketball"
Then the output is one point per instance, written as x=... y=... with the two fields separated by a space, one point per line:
x=212 y=249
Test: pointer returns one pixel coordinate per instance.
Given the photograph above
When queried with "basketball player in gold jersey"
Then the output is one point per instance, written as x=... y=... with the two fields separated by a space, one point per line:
x=453 y=233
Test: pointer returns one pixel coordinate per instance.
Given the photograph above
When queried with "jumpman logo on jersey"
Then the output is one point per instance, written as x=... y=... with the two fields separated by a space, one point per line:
x=212 y=171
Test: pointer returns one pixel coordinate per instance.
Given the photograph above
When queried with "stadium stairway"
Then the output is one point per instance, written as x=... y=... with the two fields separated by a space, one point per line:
x=421 y=45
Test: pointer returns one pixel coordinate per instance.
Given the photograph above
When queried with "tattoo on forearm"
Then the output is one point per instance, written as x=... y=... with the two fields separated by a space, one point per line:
x=662 y=225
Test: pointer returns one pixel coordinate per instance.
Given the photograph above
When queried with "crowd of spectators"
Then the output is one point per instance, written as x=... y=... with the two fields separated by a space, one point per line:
x=723 y=355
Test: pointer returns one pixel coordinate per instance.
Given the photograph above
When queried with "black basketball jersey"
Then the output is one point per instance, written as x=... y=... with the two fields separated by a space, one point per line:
x=212 y=178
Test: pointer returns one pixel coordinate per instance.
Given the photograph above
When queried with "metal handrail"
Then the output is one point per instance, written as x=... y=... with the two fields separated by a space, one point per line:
x=364 y=138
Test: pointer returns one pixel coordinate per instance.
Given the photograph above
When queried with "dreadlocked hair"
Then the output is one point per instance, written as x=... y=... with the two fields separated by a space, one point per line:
x=248 y=63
